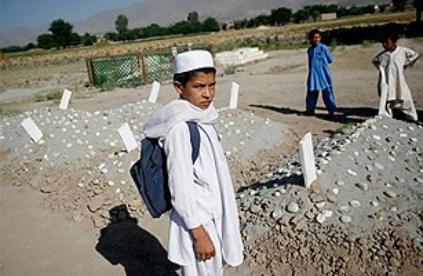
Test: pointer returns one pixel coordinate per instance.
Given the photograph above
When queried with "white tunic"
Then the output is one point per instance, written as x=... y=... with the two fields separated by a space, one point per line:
x=201 y=193
x=194 y=189
x=394 y=64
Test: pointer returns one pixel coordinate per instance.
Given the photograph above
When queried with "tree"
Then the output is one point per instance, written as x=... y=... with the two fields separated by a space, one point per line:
x=301 y=16
x=418 y=4
x=111 y=36
x=88 y=39
x=46 y=41
x=399 y=5
x=280 y=16
x=121 y=23
x=211 y=25
x=192 y=17
x=62 y=33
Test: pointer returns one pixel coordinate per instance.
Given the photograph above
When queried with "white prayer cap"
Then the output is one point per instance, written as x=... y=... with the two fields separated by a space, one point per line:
x=193 y=60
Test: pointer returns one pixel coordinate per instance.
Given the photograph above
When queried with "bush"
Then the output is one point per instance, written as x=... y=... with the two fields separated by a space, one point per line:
x=230 y=70
x=48 y=95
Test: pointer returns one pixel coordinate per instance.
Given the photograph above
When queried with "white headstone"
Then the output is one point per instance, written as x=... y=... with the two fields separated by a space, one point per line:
x=154 y=93
x=307 y=160
x=127 y=137
x=233 y=101
x=383 y=88
x=32 y=129
x=64 y=102
x=174 y=51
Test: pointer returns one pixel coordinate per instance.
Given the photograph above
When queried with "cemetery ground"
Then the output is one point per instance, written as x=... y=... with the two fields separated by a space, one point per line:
x=61 y=200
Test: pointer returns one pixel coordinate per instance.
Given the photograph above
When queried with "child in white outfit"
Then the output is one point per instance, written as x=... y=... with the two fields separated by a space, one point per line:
x=204 y=228
x=391 y=62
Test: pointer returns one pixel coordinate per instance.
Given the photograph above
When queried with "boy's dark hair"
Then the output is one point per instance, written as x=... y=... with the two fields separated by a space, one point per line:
x=392 y=36
x=183 y=78
x=313 y=32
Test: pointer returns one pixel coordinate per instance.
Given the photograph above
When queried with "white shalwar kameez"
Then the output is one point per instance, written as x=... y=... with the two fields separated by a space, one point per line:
x=398 y=92
x=201 y=193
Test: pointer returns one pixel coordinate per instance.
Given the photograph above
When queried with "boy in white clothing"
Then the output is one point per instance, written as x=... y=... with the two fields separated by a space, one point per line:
x=391 y=62
x=204 y=228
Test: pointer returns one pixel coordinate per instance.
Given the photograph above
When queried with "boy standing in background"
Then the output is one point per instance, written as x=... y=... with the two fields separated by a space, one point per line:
x=319 y=75
x=391 y=63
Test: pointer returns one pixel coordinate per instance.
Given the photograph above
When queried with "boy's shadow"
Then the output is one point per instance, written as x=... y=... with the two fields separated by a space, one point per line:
x=343 y=114
x=123 y=242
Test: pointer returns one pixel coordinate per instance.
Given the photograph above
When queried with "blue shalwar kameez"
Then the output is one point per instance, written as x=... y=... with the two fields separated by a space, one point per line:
x=319 y=78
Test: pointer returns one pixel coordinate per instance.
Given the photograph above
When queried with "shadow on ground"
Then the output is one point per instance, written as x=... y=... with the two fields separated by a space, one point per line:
x=294 y=179
x=343 y=115
x=139 y=252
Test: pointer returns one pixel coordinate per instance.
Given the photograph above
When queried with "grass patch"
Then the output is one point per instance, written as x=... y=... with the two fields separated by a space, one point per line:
x=344 y=128
x=8 y=112
x=230 y=70
x=367 y=43
x=48 y=95
x=108 y=85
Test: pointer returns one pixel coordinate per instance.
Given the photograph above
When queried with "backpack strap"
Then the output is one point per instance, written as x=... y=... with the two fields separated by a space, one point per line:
x=195 y=140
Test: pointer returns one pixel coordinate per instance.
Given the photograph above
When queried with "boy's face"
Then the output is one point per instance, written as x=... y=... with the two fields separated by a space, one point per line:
x=315 y=39
x=199 y=90
x=389 y=45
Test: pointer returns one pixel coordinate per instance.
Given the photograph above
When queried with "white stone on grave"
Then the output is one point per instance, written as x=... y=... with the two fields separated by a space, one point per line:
x=233 y=101
x=64 y=102
x=307 y=160
x=154 y=93
x=32 y=129
x=127 y=137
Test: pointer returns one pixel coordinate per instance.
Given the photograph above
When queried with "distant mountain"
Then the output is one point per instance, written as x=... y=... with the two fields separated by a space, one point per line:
x=165 y=12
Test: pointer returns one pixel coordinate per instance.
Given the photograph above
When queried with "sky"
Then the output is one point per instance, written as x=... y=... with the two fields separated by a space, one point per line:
x=36 y=13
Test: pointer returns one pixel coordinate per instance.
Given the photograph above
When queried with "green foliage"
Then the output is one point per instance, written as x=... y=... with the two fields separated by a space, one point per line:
x=7 y=111
x=280 y=16
x=367 y=43
x=15 y=49
x=88 y=39
x=61 y=36
x=111 y=36
x=62 y=33
x=333 y=44
x=46 y=41
x=230 y=70
x=121 y=23
x=283 y=15
x=192 y=17
x=211 y=25
x=48 y=95
x=399 y=5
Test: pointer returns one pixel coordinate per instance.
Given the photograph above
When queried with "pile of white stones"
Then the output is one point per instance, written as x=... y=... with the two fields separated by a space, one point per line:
x=368 y=178
x=82 y=163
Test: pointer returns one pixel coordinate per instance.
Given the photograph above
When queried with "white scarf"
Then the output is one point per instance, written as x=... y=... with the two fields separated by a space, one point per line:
x=180 y=110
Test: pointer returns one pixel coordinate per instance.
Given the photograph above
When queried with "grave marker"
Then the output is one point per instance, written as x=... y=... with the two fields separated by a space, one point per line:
x=127 y=137
x=307 y=160
x=154 y=93
x=32 y=129
x=233 y=101
x=64 y=102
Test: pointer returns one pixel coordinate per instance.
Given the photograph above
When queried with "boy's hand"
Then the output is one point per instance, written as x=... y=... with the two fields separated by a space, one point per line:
x=203 y=246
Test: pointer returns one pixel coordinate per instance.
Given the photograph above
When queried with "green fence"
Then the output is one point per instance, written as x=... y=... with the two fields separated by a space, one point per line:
x=122 y=71
x=135 y=69
x=158 y=65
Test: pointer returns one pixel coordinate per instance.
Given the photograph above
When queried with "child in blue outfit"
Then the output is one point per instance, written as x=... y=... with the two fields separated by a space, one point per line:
x=319 y=75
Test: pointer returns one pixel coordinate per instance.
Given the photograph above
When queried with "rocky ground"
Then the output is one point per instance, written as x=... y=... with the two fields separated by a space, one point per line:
x=361 y=217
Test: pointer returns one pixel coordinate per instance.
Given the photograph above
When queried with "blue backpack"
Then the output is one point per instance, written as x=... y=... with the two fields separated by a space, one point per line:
x=150 y=172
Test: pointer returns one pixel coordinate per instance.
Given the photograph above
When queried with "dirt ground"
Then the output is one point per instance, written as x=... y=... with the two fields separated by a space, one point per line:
x=37 y=241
